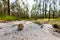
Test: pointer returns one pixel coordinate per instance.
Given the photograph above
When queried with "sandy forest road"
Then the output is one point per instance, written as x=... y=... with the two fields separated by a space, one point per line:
x=31 y=31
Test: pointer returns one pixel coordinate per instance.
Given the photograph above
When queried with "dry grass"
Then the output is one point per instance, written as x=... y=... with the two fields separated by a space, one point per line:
x=52 y=21
x=3 y=21
x=42 y=20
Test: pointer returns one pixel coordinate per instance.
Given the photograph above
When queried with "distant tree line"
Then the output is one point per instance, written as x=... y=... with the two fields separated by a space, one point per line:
x=20 y=9
x=45 y=9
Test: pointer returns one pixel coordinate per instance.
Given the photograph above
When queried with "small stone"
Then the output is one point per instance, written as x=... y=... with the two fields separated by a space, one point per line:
x=55 y=26
x=5 y=33
x=1 y=27
x=22 y=39
x=15 y=32
x=20 y=27
x=35 y=35
x=58 y=31
x=13 y=37
x=42 y=26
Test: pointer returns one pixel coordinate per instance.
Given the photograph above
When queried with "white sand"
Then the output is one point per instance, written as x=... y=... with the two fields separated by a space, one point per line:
x=31 y=31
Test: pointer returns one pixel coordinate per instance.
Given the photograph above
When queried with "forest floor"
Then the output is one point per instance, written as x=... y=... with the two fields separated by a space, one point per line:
x=31 y=31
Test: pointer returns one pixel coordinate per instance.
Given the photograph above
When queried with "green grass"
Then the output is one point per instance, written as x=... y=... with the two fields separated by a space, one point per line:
x=13 y=18
x=8 y=18
x=57 y=19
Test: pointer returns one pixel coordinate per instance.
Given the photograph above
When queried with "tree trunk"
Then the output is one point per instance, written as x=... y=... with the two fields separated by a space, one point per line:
x=43 y=10
x=8 y=7
x=4 y=7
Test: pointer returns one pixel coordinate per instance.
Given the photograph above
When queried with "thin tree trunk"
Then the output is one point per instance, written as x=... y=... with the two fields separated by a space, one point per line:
x=8 y=7
x=54 y=8
x=43 y=8
x=4 y=7
x=40 y=8
x=49 y=11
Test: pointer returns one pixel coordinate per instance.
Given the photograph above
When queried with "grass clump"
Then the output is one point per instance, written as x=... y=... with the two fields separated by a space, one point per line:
x=8 y=18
